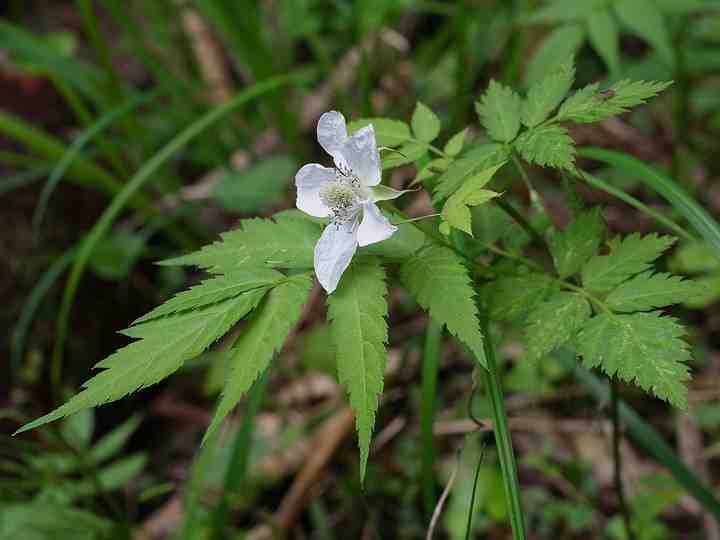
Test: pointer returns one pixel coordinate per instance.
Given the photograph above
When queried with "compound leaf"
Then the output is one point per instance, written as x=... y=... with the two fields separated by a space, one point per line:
x=643 y=348
x=357 y=311
x=438 y=279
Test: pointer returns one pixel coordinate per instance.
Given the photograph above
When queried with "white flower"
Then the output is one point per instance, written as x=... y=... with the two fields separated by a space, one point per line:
x=344 y=194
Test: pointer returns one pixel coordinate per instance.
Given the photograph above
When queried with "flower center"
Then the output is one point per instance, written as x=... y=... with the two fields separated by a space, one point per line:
x=343 y=196
x=338 y=195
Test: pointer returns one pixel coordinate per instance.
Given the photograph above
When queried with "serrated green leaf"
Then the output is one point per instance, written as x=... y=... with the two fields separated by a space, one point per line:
x=439 y=281
x=564 y=10
x=644 y=18
x=648 y=291
x=544 y=96
x=287 y=241
x=547 y=145
x=479 y=158
x=455 y=145
x=456 y=210
x=554 y=323
x=262 y=337
x=216 y=289
x=604 y=36
x=591 y=105
x=357 y=312
x=643 y=348
x=425 y=123
x=458 y=215
x=628 y=256
x=387 y=132
x=572 y=247
x=499 y=112
x=165 y=344
x=509 y=298
x=562 y=43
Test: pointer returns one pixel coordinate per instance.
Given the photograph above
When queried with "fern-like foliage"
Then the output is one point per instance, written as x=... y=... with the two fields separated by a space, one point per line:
x=572 y=247
x=164 y=345
x=438 y=279
x=357 y=312
x=644 y=348
x=286 y=241
x=554 y=322
x=499 y=111
x=547 y=145
x=628 y=256
x=216 y=289
x=648 y=291
x=262 y=337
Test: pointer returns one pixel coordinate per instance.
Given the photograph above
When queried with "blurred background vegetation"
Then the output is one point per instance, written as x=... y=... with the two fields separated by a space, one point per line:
x=104 y=133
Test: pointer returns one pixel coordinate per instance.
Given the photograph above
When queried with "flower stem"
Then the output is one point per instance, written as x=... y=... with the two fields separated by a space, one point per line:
x=491 y=380
x=431 y=361
x=417 y=219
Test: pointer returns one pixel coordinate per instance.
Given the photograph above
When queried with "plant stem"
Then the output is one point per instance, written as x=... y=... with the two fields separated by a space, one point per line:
x=617 y=459
x=420 y=218
x=534 y=196
x=491 y=380
x=431 y=361
x=471 y=511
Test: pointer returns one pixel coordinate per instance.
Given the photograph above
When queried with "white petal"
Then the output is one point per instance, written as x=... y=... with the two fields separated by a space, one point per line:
x=374 y=227
x=333 y=253
x=332 y=132
x=309 y=180
x=362 y=156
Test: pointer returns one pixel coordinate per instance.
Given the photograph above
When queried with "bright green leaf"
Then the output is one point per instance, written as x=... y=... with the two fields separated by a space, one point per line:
x=216 y=289
x=572 y=247
x=547 y=145
x=286 y=241
x=643 y=348
x=357 y=312
x=440 y=283
x=425 y=123
x=555 y=322
x=628 y=256
x=455 y=145
x=164 y=345
x=591 y=105
x=562 y=43
x=479 y=158
x=544 y=96
x=648 y=291
x=456 y=209
x=499 y=112
x=512 y=297
x=262 y=337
